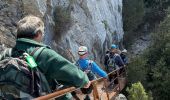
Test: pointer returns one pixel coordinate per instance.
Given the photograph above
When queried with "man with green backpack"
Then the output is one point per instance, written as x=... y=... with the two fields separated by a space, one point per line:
x=31 y=68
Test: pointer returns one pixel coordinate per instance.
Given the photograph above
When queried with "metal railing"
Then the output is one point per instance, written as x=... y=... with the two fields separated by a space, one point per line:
x=118 y=72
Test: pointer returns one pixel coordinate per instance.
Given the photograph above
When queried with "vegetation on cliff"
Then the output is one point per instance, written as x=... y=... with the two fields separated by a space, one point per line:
x=141 y=17
x=137 y=92
x=152 y=68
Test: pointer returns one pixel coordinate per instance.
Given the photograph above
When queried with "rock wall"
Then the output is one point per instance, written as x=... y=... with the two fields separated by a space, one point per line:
x=69 y=23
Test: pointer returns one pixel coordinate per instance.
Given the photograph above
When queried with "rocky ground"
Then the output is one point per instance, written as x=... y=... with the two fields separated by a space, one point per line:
x=139 y=45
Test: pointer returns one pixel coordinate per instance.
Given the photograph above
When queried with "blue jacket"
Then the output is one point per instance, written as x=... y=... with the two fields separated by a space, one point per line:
x=84 y=63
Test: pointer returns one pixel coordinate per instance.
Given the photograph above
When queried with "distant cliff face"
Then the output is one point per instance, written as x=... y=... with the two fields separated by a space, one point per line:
x=69 y=23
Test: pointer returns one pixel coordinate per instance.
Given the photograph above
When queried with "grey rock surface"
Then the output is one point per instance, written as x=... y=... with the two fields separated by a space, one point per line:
x=93 y=23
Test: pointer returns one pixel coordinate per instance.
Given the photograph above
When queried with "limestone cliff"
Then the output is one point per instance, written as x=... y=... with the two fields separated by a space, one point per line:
x=69 y=23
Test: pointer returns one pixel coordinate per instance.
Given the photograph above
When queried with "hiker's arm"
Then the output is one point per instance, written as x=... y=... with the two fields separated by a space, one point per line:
x=106 y=59
x=119 y=61
x=98 y=70
x=126 y=60
x=62 y=70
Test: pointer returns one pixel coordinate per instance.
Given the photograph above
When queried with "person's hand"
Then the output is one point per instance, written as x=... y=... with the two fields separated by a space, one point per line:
x=106 y=83
x=87 y=85
x=105 y=79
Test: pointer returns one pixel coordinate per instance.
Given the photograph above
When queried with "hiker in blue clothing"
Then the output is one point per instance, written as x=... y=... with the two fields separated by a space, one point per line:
x=90 y=68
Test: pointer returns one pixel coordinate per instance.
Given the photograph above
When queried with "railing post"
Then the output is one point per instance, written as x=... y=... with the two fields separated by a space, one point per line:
x=105 y=85
x=95 y=91
x=118 y=78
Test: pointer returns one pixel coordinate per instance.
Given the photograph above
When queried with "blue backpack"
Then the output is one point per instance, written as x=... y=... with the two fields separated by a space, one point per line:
x=88 y=70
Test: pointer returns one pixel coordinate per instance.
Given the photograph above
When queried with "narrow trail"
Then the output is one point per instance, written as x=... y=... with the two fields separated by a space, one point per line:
x=102 y=93
x=102 y=90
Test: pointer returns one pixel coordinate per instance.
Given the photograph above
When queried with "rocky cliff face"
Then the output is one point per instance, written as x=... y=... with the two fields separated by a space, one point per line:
x=69 y=23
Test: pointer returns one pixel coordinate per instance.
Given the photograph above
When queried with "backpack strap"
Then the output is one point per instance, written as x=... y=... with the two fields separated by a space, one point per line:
x=78 y=65
x=39 y=73
x=111 y=60
x=89 y=66
x=36 y=52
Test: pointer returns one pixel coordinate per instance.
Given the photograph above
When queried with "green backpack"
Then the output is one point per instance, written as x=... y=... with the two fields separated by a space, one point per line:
x=18 y=80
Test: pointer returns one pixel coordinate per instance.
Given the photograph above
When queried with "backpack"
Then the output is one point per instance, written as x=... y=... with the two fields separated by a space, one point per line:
x=18 y=80
x=88 y=71
x=111 y=62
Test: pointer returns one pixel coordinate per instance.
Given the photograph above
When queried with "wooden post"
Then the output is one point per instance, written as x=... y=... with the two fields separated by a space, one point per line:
x=118 y=79
x=105 y=85
x=95 y=91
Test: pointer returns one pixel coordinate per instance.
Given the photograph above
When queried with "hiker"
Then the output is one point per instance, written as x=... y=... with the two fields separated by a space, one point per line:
x=90 y=68
x=107 y=54
x=112 y=60
x=124 y=56
x=30 y=33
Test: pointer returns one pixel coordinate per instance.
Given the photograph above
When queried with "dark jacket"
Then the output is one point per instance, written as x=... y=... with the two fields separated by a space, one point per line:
x=118 y=60
x=124 y=58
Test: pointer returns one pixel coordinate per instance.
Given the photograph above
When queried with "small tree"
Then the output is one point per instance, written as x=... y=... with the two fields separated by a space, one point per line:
x=137 y=92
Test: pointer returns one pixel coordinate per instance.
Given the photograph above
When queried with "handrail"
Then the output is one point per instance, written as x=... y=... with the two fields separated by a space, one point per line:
x=71 y=89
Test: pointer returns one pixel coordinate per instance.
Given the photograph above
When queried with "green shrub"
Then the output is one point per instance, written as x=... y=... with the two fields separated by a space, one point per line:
x=153 y=67
x=137 y=70
x=137 y=92
x=133 y=13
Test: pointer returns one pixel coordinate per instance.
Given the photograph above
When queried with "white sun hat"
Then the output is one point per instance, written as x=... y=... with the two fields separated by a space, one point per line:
x=82 y=50
x=124 y=50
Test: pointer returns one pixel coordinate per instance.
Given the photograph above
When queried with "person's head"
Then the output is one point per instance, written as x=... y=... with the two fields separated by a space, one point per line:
x=107 y=51
x=82 y=51
x=113 y=48
x=31 y=27
x=124 y=51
